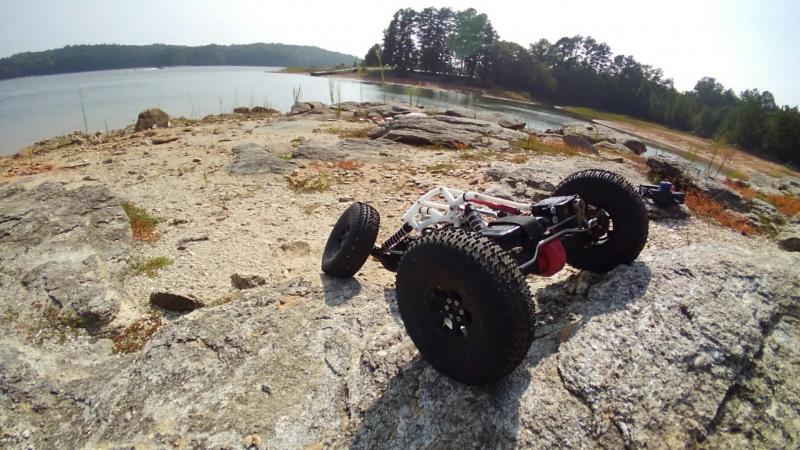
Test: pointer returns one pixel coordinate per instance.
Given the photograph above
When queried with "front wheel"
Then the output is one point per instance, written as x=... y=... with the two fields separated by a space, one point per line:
x=620 y=236
x=465 y=305
x=351 y=240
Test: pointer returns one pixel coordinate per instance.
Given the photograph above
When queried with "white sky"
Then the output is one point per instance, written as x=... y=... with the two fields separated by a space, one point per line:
x=744 y=44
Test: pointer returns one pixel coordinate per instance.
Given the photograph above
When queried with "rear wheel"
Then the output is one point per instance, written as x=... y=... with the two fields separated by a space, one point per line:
x=621 y=235
x=351 y=240
x=465 y=305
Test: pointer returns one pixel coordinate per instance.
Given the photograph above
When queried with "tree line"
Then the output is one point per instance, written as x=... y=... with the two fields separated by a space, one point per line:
x=582 y=71
x=81 y=58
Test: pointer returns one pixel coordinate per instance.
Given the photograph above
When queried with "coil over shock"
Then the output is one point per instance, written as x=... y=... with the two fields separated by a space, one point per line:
x=396 y=238
x=473 y=218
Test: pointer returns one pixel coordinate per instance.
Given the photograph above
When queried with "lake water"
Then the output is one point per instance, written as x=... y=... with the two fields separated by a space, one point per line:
x=36 y=108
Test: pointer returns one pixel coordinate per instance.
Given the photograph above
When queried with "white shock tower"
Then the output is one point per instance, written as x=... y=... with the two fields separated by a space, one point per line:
x=426 y=212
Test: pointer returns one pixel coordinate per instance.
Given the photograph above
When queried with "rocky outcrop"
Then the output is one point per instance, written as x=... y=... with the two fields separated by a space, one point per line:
x=334 y=368
x=62 y=254
x=308 y=108
x=502 y=119
x=447 y=131
x=789 y=238
x=251 y=159
x=599 y=134
x=685 y=176
x=579 y=142
x=152 y=118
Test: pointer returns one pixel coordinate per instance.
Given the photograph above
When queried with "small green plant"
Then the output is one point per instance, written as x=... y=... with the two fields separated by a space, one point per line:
x=83 y=109
x=285 y=156
x=331 y=90
x=440 y=167
x=297 y=93
x=335 y=92
x=143 y=224
x=150 y=266
x=338 y=101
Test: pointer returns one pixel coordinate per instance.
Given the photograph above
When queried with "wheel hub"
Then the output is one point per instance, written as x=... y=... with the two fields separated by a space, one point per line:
x=451 y=314
x=343 y=237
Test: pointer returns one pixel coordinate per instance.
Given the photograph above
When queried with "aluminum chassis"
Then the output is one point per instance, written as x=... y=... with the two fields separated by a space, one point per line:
x=425 y=213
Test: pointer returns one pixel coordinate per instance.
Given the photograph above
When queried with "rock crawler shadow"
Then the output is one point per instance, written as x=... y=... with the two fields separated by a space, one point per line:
x=338 y=291
x=421 y=408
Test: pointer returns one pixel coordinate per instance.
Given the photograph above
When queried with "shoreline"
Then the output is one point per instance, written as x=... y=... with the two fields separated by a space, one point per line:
x=699 y=151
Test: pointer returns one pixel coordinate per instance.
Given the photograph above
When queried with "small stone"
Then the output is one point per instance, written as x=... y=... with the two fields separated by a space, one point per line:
x=108 y=161
x=90 y=178
x=182 y=243
x=26 y=434
x=164 y=140
x=174 y=302
x=789 y=239
x=247 y=281
x=252 y=441
x=345 y=199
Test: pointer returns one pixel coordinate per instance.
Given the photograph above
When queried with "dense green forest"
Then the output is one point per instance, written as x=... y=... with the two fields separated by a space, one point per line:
x=582 y=71
x=81 y=58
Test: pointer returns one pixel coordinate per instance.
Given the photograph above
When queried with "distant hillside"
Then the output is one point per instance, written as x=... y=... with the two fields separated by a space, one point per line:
x=81 y=58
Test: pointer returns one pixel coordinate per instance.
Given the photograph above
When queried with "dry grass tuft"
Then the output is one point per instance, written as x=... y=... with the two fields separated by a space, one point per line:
x=348 y=164
x=787 y=205
x=136 y=335
x=746 y=191
x=143 y=224
x=351 y=133
x=482 y=155
x=150 y=267
x=707 y=208
x=440 y=167
x=532 y=144
x=308 y=183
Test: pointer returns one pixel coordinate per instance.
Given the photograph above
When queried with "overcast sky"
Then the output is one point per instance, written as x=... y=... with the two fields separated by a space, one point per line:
x=744 y=44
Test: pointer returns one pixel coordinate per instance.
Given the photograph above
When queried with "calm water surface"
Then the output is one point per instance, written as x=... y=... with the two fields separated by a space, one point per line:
x=36 y=108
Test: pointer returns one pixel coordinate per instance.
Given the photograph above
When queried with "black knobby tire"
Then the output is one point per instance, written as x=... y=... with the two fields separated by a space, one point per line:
x=623 y=243
x=351 y=240
x=493 y=298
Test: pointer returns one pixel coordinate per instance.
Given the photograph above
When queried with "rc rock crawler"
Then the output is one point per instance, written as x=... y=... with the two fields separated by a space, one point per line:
x=461 y=260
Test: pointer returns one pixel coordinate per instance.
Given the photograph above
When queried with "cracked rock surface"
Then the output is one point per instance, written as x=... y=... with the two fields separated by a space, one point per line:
x=695 y=344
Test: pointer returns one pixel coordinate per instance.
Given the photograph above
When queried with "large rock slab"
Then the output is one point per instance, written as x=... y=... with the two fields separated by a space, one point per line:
x=595 y=133
x=308 y=108
x=250 y=159
x=442 y=130
x=502 y=119
x=660 y=352
x=789 y=238
x=62 y=254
